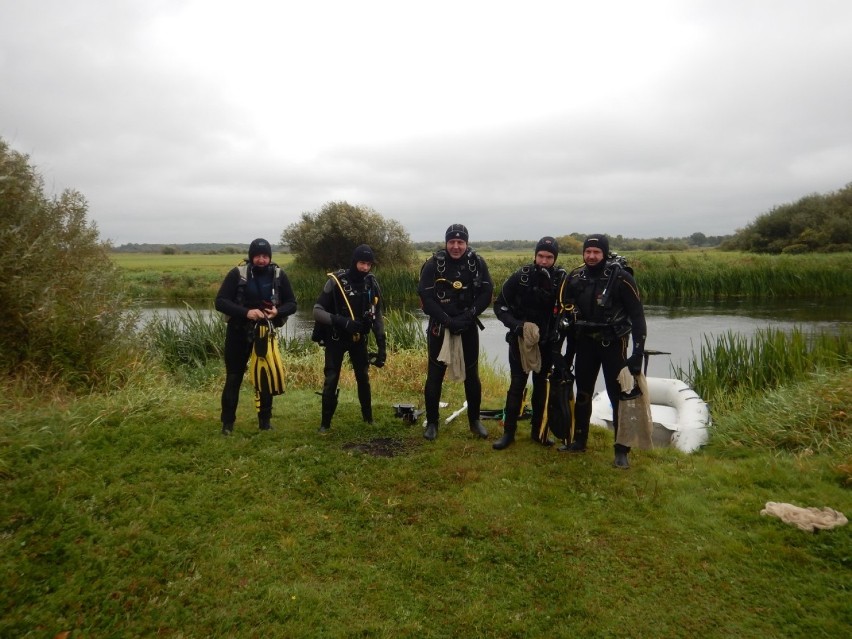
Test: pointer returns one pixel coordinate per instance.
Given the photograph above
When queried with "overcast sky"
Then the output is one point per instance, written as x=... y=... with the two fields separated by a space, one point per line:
x=213 y=121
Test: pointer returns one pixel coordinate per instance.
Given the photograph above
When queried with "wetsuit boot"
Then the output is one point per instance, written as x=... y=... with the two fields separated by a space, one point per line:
x=620 y=460
x=431 y=431
x=507 y=439
x=478 y=429
x=329 y=405
x=581 y=436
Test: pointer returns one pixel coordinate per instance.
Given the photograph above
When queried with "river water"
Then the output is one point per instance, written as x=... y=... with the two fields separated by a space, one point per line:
x=677 y=329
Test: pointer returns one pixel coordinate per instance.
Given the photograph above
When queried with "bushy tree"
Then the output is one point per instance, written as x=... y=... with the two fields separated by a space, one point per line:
x=569 y=245
x=328 y=237
x=813 y=223
x=698 y=239
x=63 y=313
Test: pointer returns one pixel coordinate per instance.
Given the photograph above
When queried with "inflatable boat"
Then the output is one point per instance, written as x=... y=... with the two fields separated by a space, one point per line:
x=681 y=417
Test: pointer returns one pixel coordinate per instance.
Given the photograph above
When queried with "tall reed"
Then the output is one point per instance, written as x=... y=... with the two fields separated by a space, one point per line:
x=687 y=275
x=192 y=338
x=733 y=363
x=404 y=331
x=661 y=277
x=196 y=337
x=714 y=275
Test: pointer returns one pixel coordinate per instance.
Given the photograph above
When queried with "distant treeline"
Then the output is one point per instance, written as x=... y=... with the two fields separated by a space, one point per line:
x=202 y=248
x=568 y=244
x=573 y=243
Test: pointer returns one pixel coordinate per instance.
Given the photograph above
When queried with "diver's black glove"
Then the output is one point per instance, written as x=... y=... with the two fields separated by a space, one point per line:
x=458 y=324
x=518 y=329
x=345 y=324
x=367 y=323
x=382 y=355
x=634 y=363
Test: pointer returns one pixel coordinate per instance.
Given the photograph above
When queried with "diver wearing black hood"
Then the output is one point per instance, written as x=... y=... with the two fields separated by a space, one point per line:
x=347 y=310
x=529 y=296
x=608 y=312
x=454 y=288
x=257 y=290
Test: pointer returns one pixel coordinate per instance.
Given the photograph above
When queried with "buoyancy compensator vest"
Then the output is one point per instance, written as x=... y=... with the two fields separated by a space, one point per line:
x=599 y=311
x=457 y=282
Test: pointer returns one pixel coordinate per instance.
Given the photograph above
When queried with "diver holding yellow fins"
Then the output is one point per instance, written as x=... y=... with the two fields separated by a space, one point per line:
x=257 y=298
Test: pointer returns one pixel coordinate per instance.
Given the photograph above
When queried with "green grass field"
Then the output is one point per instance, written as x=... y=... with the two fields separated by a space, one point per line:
x=184 y=262
x=128 y=515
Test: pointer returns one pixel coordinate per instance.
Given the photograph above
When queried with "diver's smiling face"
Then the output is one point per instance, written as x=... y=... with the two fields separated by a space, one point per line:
x=593 y=256
x=456 y=248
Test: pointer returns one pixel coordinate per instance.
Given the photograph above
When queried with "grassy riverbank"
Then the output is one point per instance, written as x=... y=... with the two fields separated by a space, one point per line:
x=686 y=275
x=127 y=514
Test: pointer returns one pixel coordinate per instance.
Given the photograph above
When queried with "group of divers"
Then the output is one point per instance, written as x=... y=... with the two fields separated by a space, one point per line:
x=562 y=329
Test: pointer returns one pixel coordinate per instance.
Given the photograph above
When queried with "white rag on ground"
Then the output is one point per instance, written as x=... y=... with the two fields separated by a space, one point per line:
x=528 y=345
x=452 y=355
x=808 y=519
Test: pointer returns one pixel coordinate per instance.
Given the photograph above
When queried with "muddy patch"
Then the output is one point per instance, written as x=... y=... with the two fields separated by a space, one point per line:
x=379 y=447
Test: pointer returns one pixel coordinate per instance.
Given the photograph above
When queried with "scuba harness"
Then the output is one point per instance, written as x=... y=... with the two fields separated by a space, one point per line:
x=459 y=295
x=457 y=288
x=346 y=290
x=247 y=278
x=243 y=270
x=614 y=264
x=560 y=315
x=614 y=322
x=556 y=278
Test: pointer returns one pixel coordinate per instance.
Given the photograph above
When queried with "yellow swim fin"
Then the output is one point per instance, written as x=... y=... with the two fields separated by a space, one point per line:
x=266 y=368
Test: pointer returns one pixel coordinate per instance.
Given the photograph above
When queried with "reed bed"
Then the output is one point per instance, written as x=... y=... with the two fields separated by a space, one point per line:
x=735 y=364
x=404 y=331
x=190 y=346
x=687 y=275
x=195 y=338
x=190 y=339
x=714 y=276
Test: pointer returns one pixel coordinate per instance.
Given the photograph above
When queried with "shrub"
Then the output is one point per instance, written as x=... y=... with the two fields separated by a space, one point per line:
x=327 y=238
x=64 y=315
